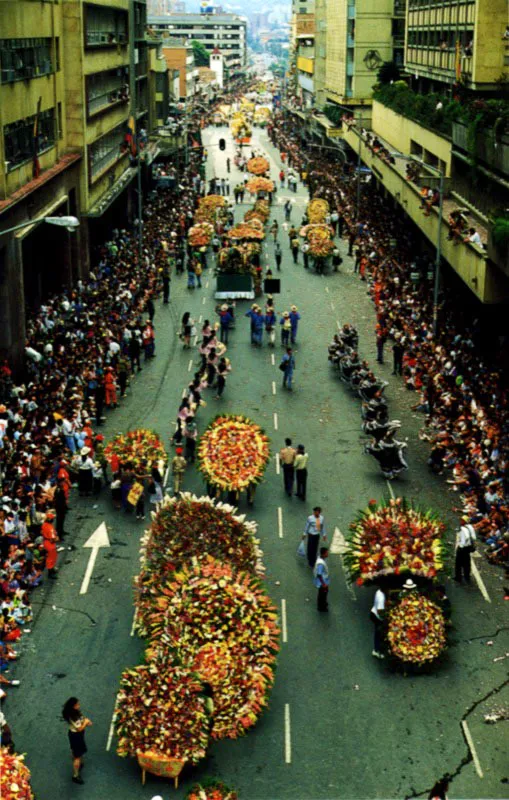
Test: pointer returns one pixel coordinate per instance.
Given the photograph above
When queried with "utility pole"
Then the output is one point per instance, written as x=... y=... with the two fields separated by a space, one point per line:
x=133 y=109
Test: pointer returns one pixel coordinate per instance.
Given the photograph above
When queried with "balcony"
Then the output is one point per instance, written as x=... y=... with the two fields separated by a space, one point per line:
x=24 y=59
x=107 y=90
x=105 y=27
x=467 y=260
x=106 y=151
x=491 y=151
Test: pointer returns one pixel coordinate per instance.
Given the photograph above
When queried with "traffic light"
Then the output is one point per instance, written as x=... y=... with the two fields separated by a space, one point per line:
x=222 y=144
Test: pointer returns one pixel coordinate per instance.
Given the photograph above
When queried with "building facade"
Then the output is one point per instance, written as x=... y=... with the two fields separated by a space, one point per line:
x=227 y=32
x=74 y=84
x=179 y=56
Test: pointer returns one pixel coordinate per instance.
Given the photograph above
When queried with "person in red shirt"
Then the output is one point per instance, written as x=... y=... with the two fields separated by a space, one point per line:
x=50 y=537
x=110 y=388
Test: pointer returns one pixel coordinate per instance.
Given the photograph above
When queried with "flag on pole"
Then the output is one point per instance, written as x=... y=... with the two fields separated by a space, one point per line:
x=36 y=167
x=457 y=65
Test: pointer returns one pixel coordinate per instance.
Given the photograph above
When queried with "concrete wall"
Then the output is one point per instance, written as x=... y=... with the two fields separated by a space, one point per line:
x=468 y=261
x=399 y=131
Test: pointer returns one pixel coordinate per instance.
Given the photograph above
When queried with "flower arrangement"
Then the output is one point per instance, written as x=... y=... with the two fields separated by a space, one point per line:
x=222 y=625
x=258 y=165
x=416 y=629
x=256 y=185
x=320 y=248
x=233 y=452
x=394 y=538
x=187 y=527
x=200 y=235
x=14 y=776
x=315 y=229
x=317 y=210
x=244 y=231
x=135 y=447
x=211 y=790
x=263 y=208
x=160 y=709
x=253 y=213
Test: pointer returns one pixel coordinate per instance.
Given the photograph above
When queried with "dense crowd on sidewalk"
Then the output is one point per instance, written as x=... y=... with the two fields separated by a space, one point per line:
x=83 y=348
x=460 y=388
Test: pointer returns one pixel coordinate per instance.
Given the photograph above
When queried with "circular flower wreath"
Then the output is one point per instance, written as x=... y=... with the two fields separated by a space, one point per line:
x=134 y=447
x=211 y=790
x=394 y=538
x=187 y=527
x=416 y=629
x=258 y=165
x=160 y=709
x=233 y=452
x=14 y=777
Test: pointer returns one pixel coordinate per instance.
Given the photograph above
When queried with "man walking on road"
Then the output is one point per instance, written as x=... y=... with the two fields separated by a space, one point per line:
x=278 y=255
x=178 y=467
x=228 y=165
x=287 y=456
x=321 y=579
x=465 y=545
x=288 y=365
x=294 y=244
x=315 y=527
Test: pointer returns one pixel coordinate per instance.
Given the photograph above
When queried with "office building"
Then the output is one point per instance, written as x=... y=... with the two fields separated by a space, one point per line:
x=227 y=32
x=179 y=55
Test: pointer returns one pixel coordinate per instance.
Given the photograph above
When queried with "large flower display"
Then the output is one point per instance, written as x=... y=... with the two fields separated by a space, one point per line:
x=200 y=235
x=317 y=210
x=416 y=629
x=395 y=538
x=211 y=790
x=190 y=526
x=223 y=626
x=208 y=208
x=258 y=165
x=233 y=452
x=161 y=710
x=135 y=447
x=255 y=185
x=243 y=230
x=14 y=776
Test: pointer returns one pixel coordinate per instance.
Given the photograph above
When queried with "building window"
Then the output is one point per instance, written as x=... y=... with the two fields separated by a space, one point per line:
x=106 y=151
x=19 y=138
x=22 y=59
x=107 y=89
x=105 y=27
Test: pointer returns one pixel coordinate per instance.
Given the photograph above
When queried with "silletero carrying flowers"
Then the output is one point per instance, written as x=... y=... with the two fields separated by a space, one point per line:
x=233 y=453
x=395 y=538
x=211 y=790
x=416 y=632
x=134 y=447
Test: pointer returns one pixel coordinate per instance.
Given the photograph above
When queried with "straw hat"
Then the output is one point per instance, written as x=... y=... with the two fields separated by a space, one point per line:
x=409 y=584
x=85 y=451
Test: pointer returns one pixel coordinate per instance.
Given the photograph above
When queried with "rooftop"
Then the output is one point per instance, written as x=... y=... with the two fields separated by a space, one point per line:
x=203 y=19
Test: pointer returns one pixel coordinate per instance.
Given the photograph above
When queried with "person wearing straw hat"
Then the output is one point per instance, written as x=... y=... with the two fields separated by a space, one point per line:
x=294 y=322
x=85 y=472
x=409 y=585
x=286 y=328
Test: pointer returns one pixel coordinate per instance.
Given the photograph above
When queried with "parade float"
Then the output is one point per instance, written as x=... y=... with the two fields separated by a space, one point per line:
x=14 y=776
x=241 y=129
x=200 y=234
x=260 y=186
x=402 y=549
x=211 y=789
x=317 y=210
x=210 y=208
x=258 y=165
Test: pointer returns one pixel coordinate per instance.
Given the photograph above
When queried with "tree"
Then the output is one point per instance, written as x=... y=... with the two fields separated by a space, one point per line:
x=201 y=54
x=389 y=72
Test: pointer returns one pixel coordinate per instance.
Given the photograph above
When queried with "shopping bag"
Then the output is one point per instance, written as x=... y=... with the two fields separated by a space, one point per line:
x=301 y=550
x=135 y=493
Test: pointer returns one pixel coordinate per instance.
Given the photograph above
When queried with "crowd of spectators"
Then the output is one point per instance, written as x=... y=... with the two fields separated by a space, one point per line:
x=461 y=387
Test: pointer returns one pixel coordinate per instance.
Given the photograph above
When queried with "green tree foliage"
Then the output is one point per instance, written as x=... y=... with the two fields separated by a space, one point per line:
x=201 y=54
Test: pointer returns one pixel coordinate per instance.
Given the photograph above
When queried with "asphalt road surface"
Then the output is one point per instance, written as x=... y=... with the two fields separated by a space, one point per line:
x=340 y=723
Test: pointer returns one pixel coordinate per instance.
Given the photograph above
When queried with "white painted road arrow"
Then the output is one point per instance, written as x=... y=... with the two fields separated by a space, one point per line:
x=338 y=544
x=98 y=539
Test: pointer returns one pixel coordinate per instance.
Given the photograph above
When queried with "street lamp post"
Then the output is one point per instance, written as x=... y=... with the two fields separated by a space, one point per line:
x=438 y=246
x=71 y=223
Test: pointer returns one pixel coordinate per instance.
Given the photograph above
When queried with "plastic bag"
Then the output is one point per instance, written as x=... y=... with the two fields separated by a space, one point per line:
x=301 y=550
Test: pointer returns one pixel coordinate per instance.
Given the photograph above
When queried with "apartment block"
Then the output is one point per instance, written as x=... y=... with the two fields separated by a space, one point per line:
x=226 y=32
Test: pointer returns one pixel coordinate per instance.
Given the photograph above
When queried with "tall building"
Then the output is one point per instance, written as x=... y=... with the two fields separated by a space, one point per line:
x=179 y=56
x=360 y=36
x=227 y=32
x=454 y=41
x=69 y=74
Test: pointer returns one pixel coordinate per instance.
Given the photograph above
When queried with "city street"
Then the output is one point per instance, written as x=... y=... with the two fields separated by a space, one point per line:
x=341 y=724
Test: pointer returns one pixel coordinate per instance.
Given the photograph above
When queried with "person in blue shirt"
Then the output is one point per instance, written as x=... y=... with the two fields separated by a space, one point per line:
x=321 y=579
x=251 y=314
x=225 y=319
x=270 y=325
x=287 y=366
x=258 y=323
x=294 y=321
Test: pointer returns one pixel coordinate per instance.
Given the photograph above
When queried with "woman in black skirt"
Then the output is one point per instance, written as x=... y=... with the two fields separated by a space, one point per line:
x=77 y=723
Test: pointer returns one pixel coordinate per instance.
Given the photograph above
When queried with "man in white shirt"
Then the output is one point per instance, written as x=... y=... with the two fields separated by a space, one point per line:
x=376 y=615
x=465 y=545
x=474 y=238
